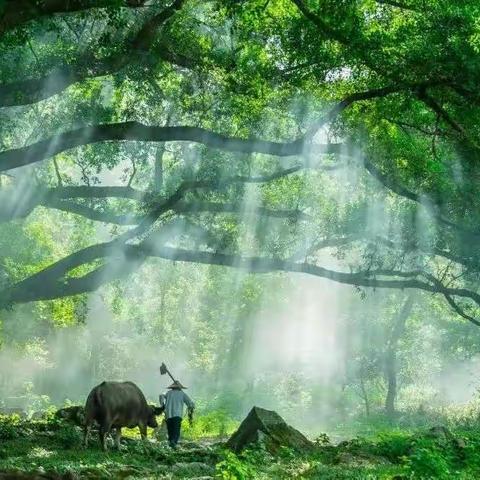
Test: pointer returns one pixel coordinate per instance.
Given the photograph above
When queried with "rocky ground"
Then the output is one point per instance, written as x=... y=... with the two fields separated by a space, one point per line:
x=49 y=448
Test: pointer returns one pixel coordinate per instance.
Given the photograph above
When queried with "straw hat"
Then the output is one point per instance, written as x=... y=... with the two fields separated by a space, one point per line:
x=176 y=385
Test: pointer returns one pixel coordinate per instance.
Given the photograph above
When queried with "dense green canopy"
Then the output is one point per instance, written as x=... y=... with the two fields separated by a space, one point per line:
x=346 y=126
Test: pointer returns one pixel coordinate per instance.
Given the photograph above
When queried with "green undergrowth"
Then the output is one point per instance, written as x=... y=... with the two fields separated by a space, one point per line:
x=54 y=446
x=215 y=424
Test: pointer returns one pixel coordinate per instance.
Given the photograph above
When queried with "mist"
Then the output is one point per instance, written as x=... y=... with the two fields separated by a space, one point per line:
x=298 y=351
x=307 y=347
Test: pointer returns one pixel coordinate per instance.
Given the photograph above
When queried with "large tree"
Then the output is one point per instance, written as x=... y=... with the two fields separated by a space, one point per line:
x=338 y=125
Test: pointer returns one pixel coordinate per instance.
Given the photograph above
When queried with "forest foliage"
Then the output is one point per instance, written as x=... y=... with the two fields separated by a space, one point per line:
x=181 y=180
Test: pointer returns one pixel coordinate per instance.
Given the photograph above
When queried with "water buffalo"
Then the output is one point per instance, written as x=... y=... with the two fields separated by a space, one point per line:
x=114 y=405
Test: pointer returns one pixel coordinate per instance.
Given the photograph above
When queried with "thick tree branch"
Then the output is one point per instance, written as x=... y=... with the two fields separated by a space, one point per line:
x=17 y=12
x=92 y=213
x=19 y=204
x=84 y=191
x=59 y=270
x=353 y=98
x=33 y=90
x=215 y=207
x=35 y=288
x=106 y=216
x=440 y=111
x=10 y=196
x=54 y=281
x=171 y=203
x=138 y=132
x=400 y=5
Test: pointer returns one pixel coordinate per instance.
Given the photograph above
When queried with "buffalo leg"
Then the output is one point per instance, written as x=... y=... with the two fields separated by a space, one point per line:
x=103 y=432
x=118 y=436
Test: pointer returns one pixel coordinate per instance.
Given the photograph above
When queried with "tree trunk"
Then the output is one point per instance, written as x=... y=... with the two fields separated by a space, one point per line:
x=391 y=376
x=159 y=167
x=364 y=394
x=391 y=355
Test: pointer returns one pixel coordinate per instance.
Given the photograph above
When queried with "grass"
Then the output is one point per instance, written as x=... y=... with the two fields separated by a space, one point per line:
x=54 y=446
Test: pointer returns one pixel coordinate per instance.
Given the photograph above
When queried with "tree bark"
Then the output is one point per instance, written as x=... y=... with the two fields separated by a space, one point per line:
x=158 y=183
x=136 y=131
x=391 y=355
x=53 y=282
x=364 y=395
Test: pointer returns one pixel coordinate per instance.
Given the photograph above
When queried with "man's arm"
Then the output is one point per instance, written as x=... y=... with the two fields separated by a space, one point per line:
x=190 y=406
x=188 y=401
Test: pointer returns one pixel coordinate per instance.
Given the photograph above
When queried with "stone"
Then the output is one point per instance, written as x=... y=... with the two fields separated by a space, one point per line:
x=75 y=414
x=268 y=428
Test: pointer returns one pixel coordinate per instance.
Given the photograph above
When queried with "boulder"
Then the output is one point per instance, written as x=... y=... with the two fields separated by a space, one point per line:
x=75 y=414
x=269 y=428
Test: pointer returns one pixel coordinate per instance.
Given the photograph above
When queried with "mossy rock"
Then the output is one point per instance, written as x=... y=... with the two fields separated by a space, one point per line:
x=74 y=414
x=268 y=428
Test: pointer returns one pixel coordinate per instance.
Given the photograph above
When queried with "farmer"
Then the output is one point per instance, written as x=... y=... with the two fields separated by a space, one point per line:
x=174 y=401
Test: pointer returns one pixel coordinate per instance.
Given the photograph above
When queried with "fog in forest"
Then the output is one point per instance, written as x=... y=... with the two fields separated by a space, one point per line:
x=313 y=349
x=310 y=348
x=276 y=199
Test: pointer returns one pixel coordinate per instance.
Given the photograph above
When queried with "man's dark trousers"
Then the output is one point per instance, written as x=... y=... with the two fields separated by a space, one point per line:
x=173 y=427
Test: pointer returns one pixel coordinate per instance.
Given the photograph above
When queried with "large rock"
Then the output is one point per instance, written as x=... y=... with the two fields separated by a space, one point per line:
x=268 y=427
x=75 y=414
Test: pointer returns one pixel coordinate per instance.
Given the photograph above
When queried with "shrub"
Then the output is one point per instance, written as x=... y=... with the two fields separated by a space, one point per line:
x=67 y=436
x=322 y=439
x=216 y=423
x=8 y=427
x=393 y=445
x=233 y=468
x=428 y=461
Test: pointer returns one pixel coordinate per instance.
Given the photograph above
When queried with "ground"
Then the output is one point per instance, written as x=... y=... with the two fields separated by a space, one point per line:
x=50 y=448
